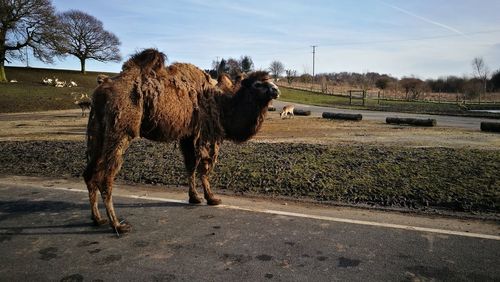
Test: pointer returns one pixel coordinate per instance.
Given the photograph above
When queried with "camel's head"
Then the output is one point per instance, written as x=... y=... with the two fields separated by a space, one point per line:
x=260 y=84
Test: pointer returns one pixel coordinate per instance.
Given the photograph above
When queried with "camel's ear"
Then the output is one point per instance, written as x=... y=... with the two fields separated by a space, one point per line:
x=247 y=82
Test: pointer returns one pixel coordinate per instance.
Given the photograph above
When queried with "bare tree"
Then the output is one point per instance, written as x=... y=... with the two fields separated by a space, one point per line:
x=481 y=72
x=85 y=38
x=290 y=75
x=26 y=23
x=234 y=67
x=413 y=87
x=276 y=68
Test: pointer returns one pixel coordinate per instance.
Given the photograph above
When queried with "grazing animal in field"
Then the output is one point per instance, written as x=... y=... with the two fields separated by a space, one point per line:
x=72 y=84
x=168 y=104
x=59 y=83
x=47 y=81
x=287 y=111
x=84 y=102
x=101 y=78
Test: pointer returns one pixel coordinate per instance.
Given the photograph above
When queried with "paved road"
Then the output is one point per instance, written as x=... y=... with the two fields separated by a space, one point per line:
x=45 y=235
x=448 y=121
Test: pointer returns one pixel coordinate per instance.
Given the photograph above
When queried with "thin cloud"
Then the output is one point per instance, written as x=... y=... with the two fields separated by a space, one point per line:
x=422 y=18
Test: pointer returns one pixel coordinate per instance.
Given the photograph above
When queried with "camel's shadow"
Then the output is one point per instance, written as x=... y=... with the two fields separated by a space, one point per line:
x=57 y=217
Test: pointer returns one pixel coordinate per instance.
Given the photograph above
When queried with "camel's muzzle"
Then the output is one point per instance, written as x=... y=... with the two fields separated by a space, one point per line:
x=274 y=92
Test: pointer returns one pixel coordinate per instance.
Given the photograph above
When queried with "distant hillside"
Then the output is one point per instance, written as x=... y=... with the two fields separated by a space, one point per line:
x=35 y=75
x=30 y=94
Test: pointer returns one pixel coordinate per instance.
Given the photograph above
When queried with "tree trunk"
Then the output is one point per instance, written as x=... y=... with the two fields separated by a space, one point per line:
x=82 y=64
x=3 y=78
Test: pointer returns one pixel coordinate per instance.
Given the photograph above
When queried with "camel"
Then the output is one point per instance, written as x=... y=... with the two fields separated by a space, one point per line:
x=163 y=104
x=226 y=84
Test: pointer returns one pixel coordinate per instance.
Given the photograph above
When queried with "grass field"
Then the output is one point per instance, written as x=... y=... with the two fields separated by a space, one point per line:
x=313 y=98
x=29 y=94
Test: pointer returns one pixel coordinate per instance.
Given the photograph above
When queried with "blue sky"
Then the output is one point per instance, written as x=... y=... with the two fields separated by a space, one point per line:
x=425 y=38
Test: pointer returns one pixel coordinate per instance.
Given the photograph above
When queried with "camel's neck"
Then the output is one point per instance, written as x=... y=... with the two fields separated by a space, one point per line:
x=243 y=116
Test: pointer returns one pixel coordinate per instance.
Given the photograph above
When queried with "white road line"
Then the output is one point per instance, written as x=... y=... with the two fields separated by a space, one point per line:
x=302 y=215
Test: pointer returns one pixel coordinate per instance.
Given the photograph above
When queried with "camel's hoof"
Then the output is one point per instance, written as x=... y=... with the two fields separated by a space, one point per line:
x=214 y=201
x=195 y=200
x=123 y=228
x=99 y=222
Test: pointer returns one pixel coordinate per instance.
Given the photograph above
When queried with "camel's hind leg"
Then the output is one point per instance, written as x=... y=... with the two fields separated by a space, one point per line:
x=91 y=174
x=91 y=178
x=113 y=159
x=191 y=162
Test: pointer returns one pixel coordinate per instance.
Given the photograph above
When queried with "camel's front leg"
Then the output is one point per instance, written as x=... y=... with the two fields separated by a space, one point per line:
x=204 y=169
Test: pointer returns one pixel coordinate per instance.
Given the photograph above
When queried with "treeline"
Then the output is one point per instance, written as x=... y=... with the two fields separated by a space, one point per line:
x=413 y=87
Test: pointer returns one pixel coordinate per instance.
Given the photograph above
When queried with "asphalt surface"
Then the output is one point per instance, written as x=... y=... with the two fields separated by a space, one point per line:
x=45 y=234
x=441 y=120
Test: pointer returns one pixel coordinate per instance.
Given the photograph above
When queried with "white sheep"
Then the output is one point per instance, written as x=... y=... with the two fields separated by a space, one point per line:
x=60 y=83
x=47 y=81
x=72 y=84
x=13 y=81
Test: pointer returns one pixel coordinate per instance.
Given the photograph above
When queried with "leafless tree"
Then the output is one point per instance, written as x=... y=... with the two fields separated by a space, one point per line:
x=26 y=23
x=413 y=87
x=481 y=72
x=290 y=75
x=276 y=68
x=85 y=38
x=234 y=67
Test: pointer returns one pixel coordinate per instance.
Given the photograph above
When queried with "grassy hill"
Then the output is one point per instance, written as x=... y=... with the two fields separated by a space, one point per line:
x=30 y=94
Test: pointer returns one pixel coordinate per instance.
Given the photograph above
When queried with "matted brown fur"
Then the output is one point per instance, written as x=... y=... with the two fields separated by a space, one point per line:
x=224 y=82
x=167 y=104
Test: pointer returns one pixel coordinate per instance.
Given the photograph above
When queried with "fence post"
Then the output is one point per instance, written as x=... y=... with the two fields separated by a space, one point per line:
x=350 y=97
x=378 y=98
x=364 y=97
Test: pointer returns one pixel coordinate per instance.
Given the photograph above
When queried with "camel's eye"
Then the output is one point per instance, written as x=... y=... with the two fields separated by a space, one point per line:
x=258 y=84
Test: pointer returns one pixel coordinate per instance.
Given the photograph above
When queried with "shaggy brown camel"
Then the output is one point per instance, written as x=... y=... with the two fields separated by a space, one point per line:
x=226 y=84
x=167 y=104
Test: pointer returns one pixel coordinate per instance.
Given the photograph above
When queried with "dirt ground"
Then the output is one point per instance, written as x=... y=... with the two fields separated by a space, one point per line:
x=70 y=125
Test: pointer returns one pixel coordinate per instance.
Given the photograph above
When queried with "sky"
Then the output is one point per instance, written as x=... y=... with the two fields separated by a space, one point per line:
x=421 y=38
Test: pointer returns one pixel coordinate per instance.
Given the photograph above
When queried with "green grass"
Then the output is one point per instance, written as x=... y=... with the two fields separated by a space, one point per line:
x=29 y=94
x=313 y=98
x=418 y=178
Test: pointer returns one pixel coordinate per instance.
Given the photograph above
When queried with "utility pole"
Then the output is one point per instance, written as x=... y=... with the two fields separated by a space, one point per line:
x=314 y=54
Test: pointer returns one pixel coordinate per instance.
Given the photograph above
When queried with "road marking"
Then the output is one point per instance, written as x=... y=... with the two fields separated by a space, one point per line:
x=302 y=215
